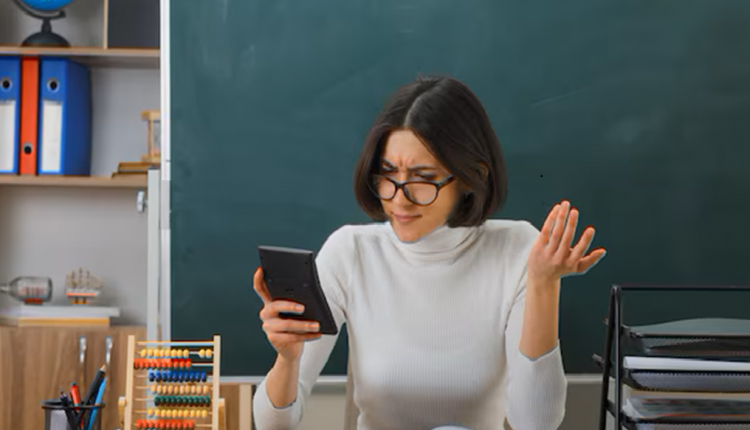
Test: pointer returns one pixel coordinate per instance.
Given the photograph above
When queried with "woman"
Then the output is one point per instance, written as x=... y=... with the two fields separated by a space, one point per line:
x=452 y=318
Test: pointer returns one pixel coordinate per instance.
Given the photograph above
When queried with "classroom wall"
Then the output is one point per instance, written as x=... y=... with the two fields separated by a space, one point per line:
x=99 y=229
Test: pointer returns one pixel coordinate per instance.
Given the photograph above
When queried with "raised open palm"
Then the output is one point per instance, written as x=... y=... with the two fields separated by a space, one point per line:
x=553 y=254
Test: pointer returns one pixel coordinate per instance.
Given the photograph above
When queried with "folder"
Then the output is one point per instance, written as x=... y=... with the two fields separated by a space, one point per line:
x=27 y=157
x=10 y=90
x=64 y=118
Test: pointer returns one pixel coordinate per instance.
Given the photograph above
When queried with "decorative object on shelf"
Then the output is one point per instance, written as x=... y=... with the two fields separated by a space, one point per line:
x=46 y=10
x=173 y=385
x=153 y=157
x=31 y=290
x=154 y=136
x=82 y=290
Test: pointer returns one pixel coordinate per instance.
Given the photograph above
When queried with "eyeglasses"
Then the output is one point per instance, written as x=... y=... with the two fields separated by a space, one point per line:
x=418 y=192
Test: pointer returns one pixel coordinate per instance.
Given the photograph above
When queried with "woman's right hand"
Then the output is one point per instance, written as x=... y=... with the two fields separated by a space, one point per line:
x=286 y=335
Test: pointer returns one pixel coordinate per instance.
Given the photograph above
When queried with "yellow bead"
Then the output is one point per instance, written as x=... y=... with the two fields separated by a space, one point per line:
x=173 y=353
x=205 y=389
x=149 y=352
x=185 y=353
x=153 y=389
x=209 y=353
x=204 y=413
x=202 y=353
x=143 y=353
x=192 y=413
x=150 y=412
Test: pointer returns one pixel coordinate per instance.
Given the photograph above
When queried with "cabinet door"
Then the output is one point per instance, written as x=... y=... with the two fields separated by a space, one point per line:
x=11 y=375
x=48 y=360
x=116 y=366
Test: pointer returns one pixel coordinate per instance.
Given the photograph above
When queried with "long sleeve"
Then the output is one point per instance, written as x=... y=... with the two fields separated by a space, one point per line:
x=332 y=269
x=537 y=388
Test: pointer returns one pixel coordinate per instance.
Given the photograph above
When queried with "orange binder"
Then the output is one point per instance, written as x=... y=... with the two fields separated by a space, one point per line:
x=29 y=116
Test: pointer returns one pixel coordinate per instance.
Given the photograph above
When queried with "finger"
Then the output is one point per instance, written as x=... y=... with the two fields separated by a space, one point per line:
x=570 y=229
x=259 y=284
x=591 y=260
x=283 y=325
x=283 y=338
x=271 y=310
x=583 y=244
x=548 y=223
x=557 y=231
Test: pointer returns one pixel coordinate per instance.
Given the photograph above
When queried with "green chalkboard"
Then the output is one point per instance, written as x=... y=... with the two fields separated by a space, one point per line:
x=638 y=111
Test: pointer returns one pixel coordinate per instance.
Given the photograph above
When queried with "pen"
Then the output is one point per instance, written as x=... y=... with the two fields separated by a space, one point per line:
x=75 y=394
x=65 y=403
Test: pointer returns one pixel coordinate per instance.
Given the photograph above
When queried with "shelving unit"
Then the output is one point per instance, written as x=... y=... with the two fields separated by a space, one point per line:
x=139 y=181
x=94 y=56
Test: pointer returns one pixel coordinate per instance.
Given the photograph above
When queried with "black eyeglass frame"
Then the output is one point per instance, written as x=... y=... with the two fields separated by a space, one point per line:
x=402 y=186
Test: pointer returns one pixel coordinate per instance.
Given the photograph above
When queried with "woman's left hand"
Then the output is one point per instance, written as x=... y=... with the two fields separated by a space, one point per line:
x=553 y=254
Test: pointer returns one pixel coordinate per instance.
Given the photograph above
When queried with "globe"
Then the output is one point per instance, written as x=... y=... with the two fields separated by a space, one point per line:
x=47 y=5
x=46 y=10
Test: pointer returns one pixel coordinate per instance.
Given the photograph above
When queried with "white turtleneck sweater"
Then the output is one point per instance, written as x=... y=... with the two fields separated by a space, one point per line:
x=434 y=328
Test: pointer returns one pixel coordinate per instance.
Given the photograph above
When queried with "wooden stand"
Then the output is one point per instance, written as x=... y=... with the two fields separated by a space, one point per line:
x=169 y=359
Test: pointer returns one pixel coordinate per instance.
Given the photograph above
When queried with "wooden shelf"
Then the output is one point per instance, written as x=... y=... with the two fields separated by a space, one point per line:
x=135 y=181
x=93 y=56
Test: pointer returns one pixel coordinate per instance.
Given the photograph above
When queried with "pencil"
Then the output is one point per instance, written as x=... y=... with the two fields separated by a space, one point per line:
x=94 y=387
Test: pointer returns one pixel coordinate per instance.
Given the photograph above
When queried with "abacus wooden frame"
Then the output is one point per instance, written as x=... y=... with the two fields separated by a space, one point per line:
x=127 y=403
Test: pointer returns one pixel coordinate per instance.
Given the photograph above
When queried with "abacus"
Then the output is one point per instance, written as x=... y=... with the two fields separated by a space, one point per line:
x=173 y=385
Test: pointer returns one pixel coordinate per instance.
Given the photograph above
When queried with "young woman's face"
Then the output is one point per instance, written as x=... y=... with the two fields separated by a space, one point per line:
x=406 y=158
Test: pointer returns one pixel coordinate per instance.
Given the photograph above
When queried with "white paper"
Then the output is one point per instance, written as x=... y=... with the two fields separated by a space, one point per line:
x=667 y=364
x=52 y=112
x=8 y=144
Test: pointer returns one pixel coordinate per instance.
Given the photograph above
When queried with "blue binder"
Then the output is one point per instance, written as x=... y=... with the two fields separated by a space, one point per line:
x=10 y=113
x=64 y=118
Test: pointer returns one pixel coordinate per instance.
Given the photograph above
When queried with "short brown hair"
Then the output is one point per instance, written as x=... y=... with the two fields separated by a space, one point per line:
x=451 y=121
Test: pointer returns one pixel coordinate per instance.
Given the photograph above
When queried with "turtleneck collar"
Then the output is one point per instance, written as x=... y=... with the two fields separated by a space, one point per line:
x=440 y=244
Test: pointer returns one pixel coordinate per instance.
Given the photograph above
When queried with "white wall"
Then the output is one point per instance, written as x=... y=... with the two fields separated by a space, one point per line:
x=98 y=229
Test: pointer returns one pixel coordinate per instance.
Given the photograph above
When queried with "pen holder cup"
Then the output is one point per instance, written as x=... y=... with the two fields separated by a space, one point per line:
x=59 y=417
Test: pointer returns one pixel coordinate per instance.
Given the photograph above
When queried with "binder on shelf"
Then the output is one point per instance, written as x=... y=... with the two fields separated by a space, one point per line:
x=64 y=118
x=29 y=138
x=688 y=374
x=10 y=105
